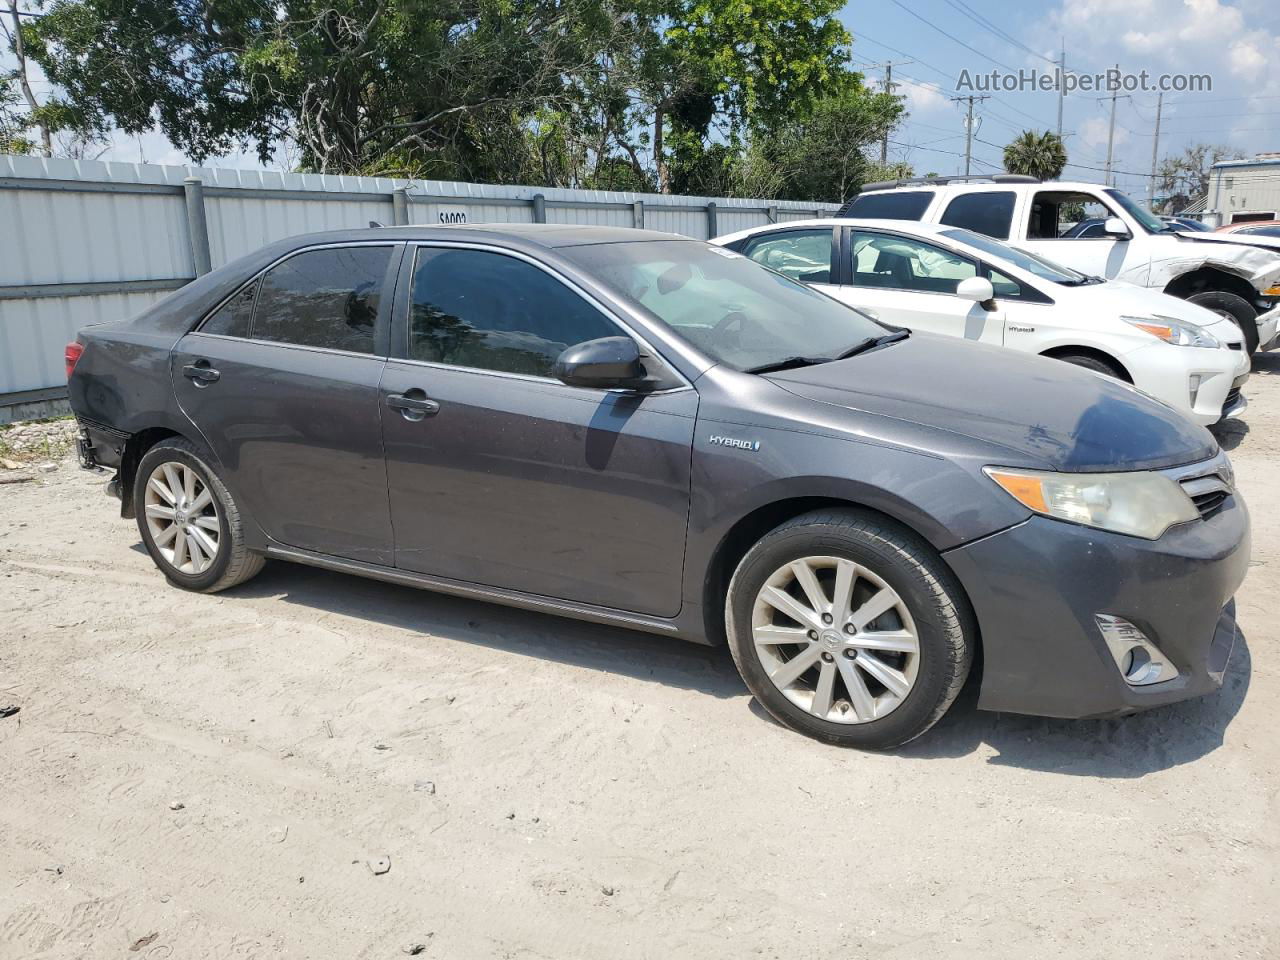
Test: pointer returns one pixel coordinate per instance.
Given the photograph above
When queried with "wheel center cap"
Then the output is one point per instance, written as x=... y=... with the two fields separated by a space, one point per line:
x=832 y=640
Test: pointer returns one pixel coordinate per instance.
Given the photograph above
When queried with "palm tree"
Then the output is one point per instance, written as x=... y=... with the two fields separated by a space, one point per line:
x=1036 y=155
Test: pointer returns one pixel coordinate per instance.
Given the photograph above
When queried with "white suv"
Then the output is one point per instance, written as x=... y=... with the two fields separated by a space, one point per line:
x=1098 y=231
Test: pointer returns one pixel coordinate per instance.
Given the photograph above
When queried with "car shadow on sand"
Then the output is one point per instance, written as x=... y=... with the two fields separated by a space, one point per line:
x=1122 y=747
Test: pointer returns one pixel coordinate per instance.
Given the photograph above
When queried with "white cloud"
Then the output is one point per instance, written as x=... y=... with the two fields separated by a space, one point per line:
x=923 y=97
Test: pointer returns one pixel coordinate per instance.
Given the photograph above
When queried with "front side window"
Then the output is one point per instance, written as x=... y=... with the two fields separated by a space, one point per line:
x=903 y=263
x=324 y=298
x=985 y=211
x=235 y=317
x=1062 y=215
x=803 y=255
x=473 y=308
x=724 y=304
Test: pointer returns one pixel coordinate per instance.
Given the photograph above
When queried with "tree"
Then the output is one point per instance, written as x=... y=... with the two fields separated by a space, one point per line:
x=1184 y=177
x=1040 y=155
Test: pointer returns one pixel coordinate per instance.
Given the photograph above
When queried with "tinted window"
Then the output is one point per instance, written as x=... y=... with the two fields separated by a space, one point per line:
x=323 y=298
x=803 y=255
x=1262 y=231
x=902 y=263
x=235 y=317
x=908 y=205
x=989 y=212
x=729 y=307
x=471 y=308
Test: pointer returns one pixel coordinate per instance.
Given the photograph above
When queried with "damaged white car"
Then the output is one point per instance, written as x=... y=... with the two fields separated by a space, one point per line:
x=1235 y=279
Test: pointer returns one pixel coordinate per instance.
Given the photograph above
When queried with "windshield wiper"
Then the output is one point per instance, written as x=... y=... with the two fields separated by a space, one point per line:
x=862 y=346
x=872 y=342
x=789 y=363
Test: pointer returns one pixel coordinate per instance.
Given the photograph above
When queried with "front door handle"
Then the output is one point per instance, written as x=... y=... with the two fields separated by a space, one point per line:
x=200 y=373
x=413 y=404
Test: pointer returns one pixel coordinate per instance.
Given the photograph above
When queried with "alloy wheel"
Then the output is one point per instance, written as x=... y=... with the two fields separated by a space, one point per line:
x=182 y=517
x=835 y=639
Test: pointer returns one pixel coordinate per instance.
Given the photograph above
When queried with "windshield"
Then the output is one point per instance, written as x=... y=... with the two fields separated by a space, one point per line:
x=732 y=309
x=1150 y=222
x=1040 y=267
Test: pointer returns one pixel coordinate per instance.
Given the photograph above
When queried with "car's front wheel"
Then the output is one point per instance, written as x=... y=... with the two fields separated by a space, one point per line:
x=189 y=522
x=1234 y=308
x=849 y=629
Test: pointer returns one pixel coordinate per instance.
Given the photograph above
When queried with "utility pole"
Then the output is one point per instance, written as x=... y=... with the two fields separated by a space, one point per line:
x=1062 y=77
x=1155 y=146
x=1111 y=135
x=968 y=129
x=888 y=88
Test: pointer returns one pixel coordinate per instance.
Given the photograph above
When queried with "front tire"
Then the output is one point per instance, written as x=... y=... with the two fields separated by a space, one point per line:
x=1234 y=308
x=1094 y=363
x=188 y=520
x=849 y=629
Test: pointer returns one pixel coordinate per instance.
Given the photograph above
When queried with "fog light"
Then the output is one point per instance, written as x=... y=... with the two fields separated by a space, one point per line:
x=1139 y=661
x=1195 y=387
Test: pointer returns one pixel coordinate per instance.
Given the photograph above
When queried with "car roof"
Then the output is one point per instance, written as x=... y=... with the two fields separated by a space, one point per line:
x=903 y=226
x=1055 y=186
x=541 y=234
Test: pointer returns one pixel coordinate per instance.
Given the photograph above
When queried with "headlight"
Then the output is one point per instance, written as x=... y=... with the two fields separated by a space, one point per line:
x=1139 y=504
x=1178 y=332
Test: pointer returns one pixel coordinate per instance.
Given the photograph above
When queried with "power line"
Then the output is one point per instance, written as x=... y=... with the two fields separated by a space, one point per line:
x=986 y=24
x=954 y=39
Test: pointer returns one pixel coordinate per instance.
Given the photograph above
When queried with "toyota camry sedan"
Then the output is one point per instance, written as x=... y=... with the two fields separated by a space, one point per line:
x=644 y=430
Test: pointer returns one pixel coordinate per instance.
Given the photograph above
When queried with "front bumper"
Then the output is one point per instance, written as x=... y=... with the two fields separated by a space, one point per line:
x=1269 y=329
x=1036 y=588
x=1198 y=381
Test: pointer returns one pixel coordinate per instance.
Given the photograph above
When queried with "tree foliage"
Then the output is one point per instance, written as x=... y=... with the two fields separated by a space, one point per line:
x=725 y=97
x=1032 y=154
x=1184 y=177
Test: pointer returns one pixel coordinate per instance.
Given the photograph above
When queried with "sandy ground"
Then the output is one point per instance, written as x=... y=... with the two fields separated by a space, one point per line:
x=544 y=788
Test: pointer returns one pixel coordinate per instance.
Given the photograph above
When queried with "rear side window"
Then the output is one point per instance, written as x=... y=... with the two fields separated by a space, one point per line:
x=472 y=308
x=803 y=255
x=905 y=205
x=324 y=298
x=235 y=317
x=987 y=211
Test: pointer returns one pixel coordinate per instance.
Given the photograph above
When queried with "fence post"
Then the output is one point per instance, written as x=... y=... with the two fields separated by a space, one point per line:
x=197 y=227
x=773 y=214
x=400 y=207
x=637 y=214
x=539 y=208
x=712 y=230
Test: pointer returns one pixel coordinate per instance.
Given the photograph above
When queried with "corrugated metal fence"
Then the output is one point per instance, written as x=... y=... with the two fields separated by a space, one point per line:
x=84 y=242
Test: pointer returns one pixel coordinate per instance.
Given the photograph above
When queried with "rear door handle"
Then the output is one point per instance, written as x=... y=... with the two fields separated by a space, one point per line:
x=413 y=404
x=201 y=373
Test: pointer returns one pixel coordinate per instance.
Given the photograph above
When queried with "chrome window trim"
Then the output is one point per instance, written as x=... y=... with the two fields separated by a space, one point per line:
x=607 y=312
x=289 y=346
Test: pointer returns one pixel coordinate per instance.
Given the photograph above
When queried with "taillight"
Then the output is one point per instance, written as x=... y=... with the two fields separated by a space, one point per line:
x=72 y=354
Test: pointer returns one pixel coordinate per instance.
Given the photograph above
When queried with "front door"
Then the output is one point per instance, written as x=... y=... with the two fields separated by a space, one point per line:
x=502 y=476
x=1067 y=227
x=906 y=282
x=282 y=383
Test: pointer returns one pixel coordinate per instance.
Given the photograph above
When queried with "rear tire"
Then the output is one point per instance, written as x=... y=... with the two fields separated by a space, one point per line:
x=868 y=648
x=188 y=520
x=1094 y=363
x=1234 y=308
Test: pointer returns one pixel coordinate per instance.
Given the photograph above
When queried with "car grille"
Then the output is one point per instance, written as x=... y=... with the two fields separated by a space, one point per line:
x=1208 y=493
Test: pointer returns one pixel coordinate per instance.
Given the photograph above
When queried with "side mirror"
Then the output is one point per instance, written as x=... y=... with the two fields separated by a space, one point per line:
x=605 y=364
x=977 y=289
x=1114 y=227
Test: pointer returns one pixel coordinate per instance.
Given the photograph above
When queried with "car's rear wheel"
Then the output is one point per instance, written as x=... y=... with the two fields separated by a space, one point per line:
x=189 y=522
x=1234 y=308
x=849 y=629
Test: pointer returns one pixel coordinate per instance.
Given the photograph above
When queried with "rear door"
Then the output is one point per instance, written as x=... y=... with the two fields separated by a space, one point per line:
x=906 y=282
x=500 y=474
x=806 y=254
x=282 y=383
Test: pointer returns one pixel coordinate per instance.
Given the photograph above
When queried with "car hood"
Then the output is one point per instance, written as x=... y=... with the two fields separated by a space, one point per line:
x=1042 y=411
x=1119 y=298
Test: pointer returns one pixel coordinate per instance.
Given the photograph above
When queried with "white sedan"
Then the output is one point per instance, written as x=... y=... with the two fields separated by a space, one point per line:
x=953 y=281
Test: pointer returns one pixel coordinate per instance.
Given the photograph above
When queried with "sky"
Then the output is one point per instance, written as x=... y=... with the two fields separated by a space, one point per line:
x=1235 y=42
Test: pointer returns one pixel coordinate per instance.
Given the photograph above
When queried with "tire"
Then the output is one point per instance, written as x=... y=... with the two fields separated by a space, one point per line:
x=924 y=643
x=187 y=553
x=1236 y=309
x=1094 y=363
